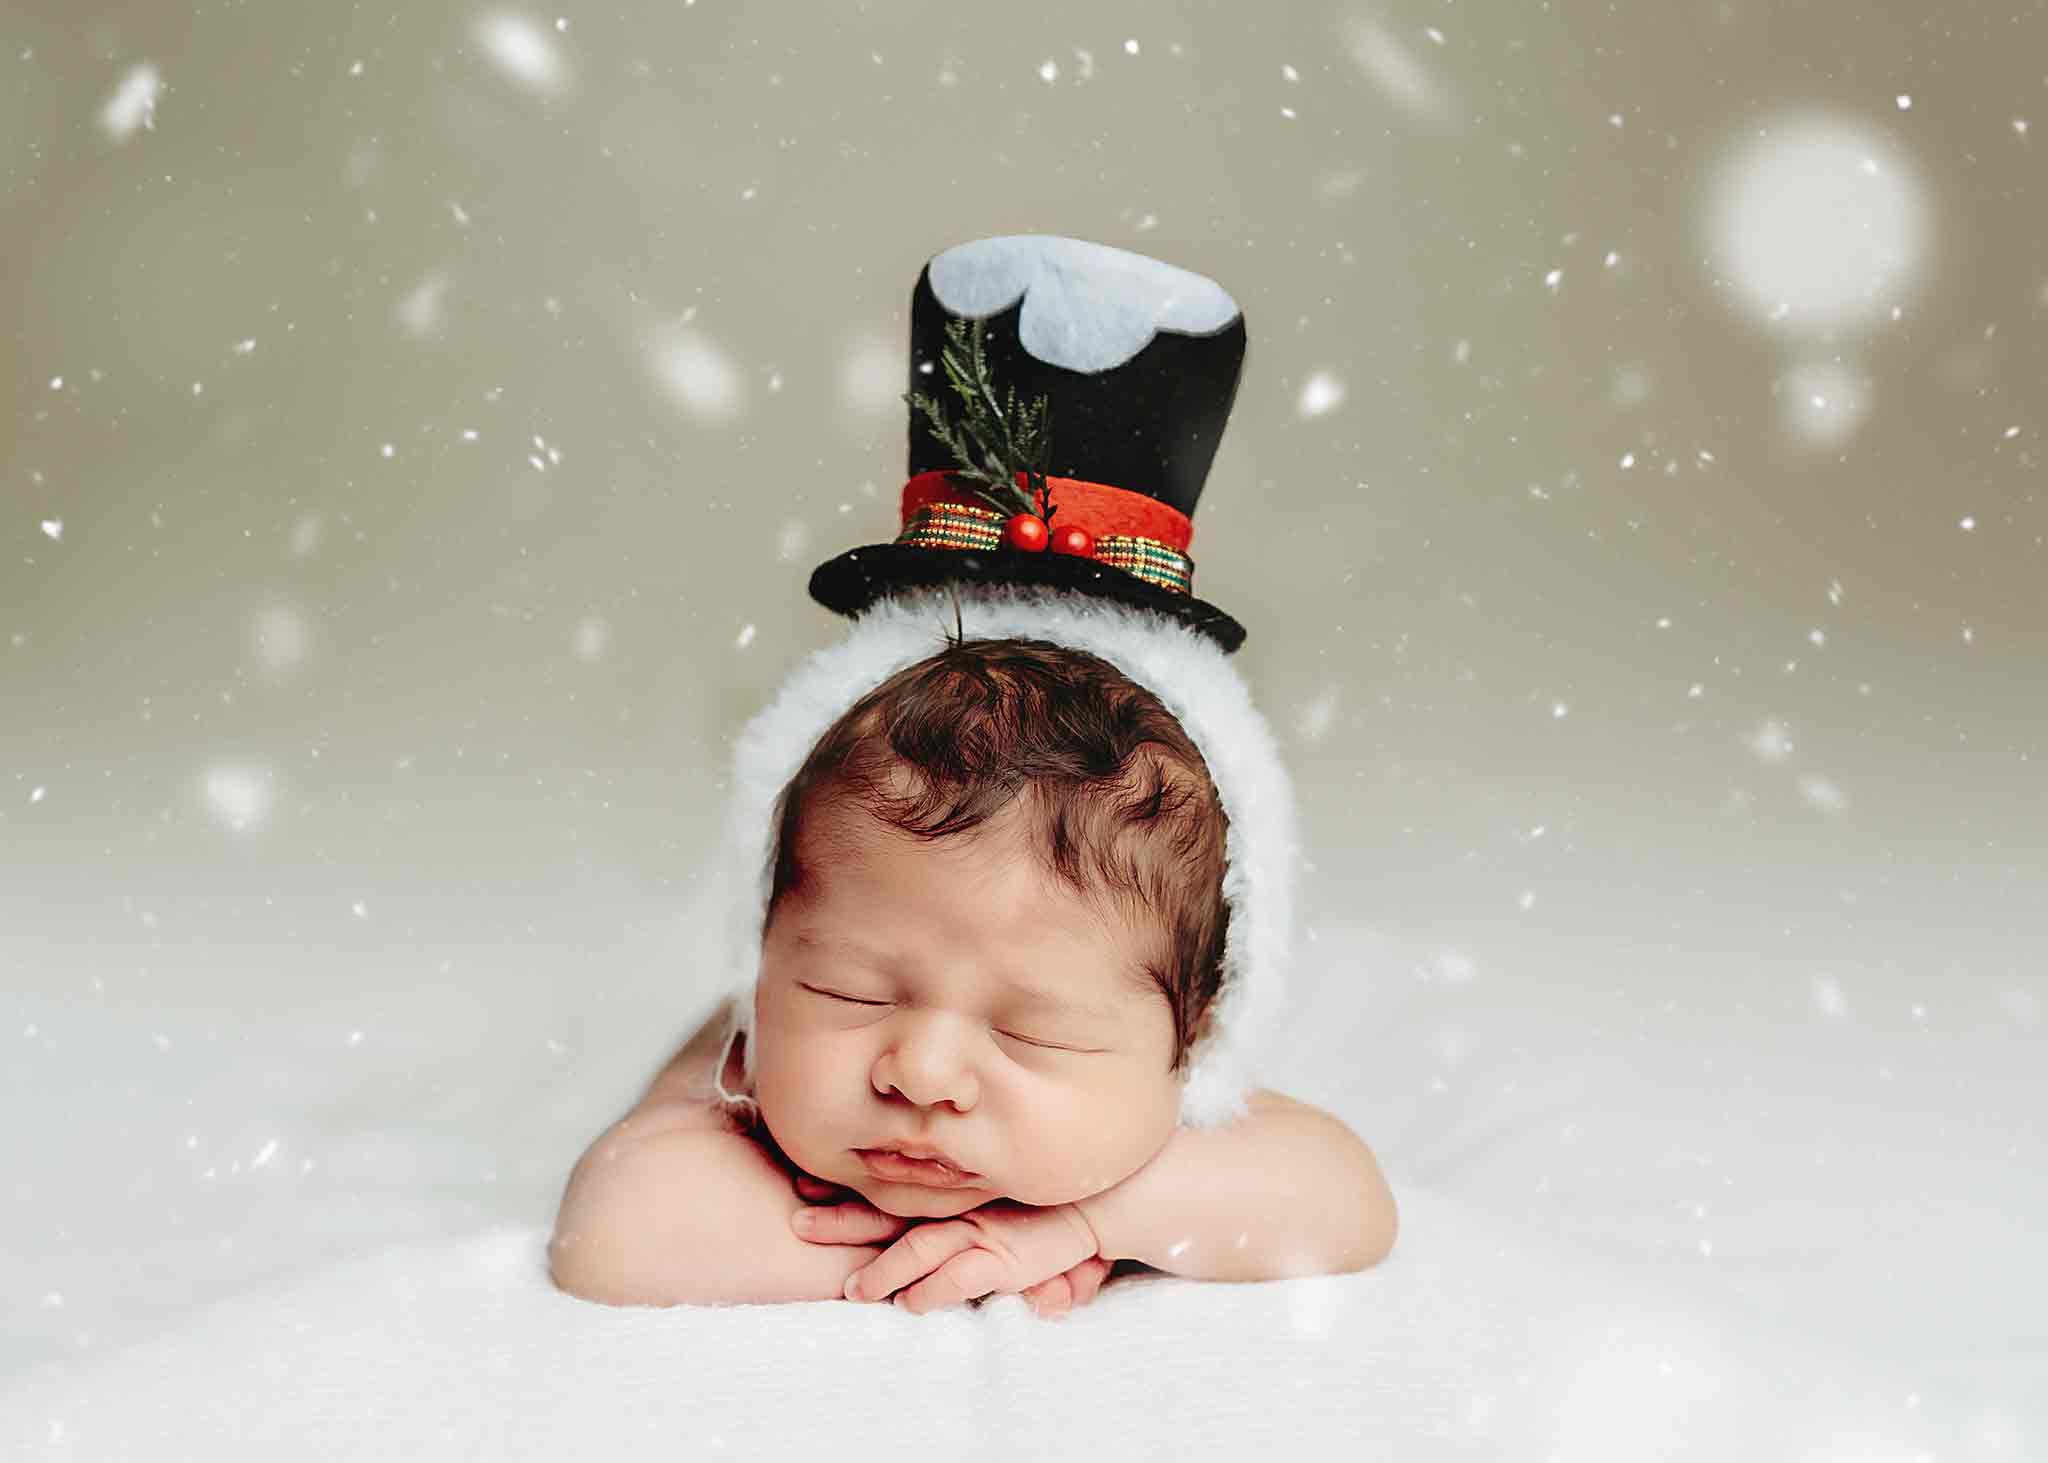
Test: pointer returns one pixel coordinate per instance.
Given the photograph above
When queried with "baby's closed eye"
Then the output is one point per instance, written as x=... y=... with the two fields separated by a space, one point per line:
x=1027 y=1040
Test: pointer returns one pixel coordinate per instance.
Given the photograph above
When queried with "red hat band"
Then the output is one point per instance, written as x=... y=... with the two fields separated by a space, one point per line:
x=1115 y=526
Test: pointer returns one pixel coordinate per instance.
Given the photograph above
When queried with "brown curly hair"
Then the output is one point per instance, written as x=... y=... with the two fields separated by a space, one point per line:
x=1119 y=801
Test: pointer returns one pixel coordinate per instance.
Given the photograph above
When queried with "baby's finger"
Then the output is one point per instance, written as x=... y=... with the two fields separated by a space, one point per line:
x=1086 y=1279
x=846 y=1224
x=1052 y=1297
x=808 y=1187
x=926 y=1250
x=970 y=1275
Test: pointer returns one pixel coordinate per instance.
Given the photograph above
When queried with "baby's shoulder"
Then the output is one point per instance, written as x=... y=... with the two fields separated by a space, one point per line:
x=683 y=1095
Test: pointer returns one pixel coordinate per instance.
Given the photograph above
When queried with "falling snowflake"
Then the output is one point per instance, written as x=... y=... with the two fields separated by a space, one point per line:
x=133 y=103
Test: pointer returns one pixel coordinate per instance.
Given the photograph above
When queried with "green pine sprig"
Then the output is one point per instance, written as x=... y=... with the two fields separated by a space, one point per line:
x=1010 y=443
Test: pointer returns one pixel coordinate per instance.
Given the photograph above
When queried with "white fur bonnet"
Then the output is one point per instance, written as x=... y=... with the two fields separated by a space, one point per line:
x=1193 y=679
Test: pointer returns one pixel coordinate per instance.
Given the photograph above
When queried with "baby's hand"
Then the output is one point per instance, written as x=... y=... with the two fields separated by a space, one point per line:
x=1047 y=1255
x=1068 y=1290
x=851 y=1220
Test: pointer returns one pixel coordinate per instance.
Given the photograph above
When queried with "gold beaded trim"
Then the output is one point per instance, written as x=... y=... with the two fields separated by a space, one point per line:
x=946 y=525
x=953 y=526
x=1149 y=559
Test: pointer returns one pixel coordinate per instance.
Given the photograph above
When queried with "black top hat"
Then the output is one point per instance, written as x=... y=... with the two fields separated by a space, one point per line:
x=1126 y=368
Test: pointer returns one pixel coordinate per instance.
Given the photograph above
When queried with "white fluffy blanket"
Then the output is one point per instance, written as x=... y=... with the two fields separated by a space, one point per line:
x=1469 y=1343
x=1629 y=1230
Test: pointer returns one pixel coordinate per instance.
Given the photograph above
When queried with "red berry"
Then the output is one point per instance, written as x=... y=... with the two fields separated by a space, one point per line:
x=1026 y=532
x=1071 y=540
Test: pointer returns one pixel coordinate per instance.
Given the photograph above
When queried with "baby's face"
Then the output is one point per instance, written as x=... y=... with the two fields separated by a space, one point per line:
x=950 y=994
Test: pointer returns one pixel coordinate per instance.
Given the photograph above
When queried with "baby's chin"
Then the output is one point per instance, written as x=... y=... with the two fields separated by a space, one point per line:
x=919 y=1201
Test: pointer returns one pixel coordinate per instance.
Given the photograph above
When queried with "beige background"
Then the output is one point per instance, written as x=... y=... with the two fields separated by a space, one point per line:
x=1633 y=497
x=445 y=670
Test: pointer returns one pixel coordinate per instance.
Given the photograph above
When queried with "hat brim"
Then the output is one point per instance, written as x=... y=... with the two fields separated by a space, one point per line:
x=855 y=579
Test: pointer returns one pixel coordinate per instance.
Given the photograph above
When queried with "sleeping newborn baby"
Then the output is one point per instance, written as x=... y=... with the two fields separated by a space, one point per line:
x=995 y=930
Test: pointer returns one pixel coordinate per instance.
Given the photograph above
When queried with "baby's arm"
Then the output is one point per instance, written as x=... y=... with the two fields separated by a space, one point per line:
x=1285 y=1190
x=687 y=1216
x=672 y=1205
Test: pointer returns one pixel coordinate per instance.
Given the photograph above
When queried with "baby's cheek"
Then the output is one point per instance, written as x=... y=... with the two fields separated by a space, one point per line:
x=1102 y=1157
x=1059 y=1172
